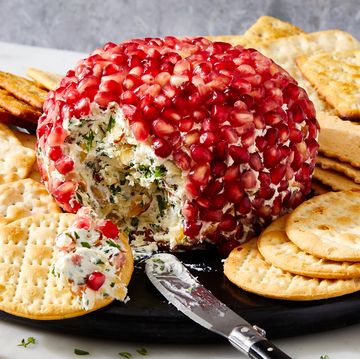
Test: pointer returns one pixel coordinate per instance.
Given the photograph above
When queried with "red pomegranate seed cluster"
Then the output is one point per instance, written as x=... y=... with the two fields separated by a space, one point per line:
x=236 y=123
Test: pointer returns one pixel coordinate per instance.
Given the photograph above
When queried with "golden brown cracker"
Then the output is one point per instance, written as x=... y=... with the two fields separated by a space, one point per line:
x=336 y=76
x=18 y=108
x=327 y=163
x=339 y=139
x=247 y=269
x=234 y=40
x=328 y=226
x=24 y=198
x=268 y=28
x=29 y=289
x=48 y=80
x=275 y=246
x=319 y=188
x=23 y=89
x=335 y=180
x=286 y=50
x=16 y=161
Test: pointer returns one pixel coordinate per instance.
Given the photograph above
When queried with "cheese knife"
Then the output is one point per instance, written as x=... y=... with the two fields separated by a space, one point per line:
x=183 y=290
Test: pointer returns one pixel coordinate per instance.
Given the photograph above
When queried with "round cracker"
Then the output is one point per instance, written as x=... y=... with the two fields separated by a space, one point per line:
x=24 y=198
x=28 y=288
x=247 y=268
x=275 y=246
x=328 y=226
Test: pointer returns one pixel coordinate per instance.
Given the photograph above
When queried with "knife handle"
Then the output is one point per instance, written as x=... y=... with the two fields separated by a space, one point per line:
x=252 y=342
x=266 y=350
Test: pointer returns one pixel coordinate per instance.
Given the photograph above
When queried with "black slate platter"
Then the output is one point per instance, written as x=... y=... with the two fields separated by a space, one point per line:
x=148 y=317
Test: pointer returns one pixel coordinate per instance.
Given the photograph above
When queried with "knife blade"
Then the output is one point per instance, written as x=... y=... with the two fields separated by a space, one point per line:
x=185 y=292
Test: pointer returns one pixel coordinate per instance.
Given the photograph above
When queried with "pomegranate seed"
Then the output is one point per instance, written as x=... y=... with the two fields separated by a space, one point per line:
x=108 y=229
x=55 y=153
x=104 y=98
x=190 y=211
x=95 y=280
x=186 y=124
x=233 y=191
x=228 y=133
x=199 y=174
x=57 y=136
x=140 y=130
x=161 y=147
x=192 y=229
x=182 y=160
x=64 y=165
x=277 y=173
x=228 y=223
x=201 y=154
x=244 y=205
x=82 y=223
x=163 y=128
x=65 y=191
x=255 y=162
x=239 y=154
x=218 y=169
x=231 y=173
x=218 y=201
x=209 y=215
x=271 y=157
x=248 y=180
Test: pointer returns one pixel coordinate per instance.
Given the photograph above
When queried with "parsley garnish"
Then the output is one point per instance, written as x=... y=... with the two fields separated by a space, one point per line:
x=81 y=352
x=162 y=204
x=113 y=244
x=142 y=351
x=111 y=124
x=112 y=284
x=159 y=171
x=325 y=357
x=89 y=140
x=24 y=343
x=145 y=170
x=76 y=235
x=99 y=261
x=125 y=355
x=85 y=244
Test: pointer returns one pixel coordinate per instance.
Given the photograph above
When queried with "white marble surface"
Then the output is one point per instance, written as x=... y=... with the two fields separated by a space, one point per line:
x=339 y=344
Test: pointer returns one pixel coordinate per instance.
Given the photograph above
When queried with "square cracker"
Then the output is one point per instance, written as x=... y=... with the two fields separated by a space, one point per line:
x=336 y=76
x=23 y=89
x=18 y=108
x=24 y=198
x=338 y=166
x=16 y=161
x=46 y=79
x=285 y=51
x=339 y=138
x=335 y=180
x=234 y=40
x=268 y=28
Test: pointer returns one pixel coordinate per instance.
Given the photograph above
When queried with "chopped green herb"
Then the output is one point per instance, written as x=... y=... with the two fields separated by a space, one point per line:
x=111 y=124
x=112 y=244
x=112 y=284
x=134 y=221
x=160 y=171
x=99 y=261
x=325 y=357
x=81 y=352
x=125 y=355
x=85 y=244
x=162 y=204
x=24 y=343
x=76 y=235
x=142 y=351
x=145 y=170
x=79 y=198
x=89 y=140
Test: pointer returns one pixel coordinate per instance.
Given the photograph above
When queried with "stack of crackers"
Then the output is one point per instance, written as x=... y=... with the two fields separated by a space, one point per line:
x=313 y=253
x=21 y=100
x=327 y=65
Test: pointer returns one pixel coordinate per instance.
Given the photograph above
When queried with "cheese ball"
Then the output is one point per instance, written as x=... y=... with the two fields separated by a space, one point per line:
x=180 y=142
